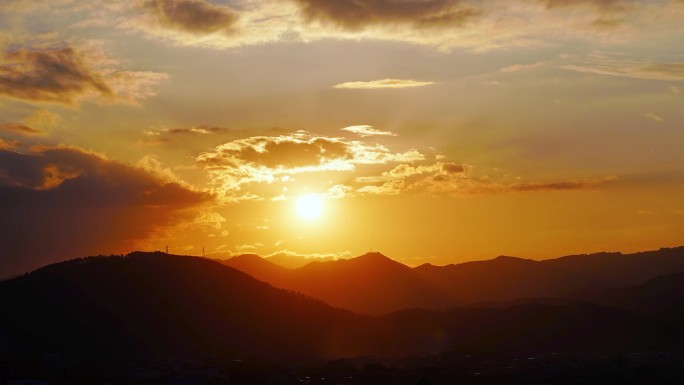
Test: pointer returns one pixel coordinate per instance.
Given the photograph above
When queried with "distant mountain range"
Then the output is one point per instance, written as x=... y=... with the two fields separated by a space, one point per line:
x=374 y=284
x=160 y=306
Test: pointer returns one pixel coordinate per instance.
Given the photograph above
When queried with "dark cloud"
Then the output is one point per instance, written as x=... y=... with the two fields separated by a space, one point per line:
x=557 y=186
x=58 y=203
x=65 y=75
x=21 y=129
x=163 y=135
x=55 y=75
x=356 y=14
x=193 y=16
x=598 y=3
x=453 y=168
x=198 y=130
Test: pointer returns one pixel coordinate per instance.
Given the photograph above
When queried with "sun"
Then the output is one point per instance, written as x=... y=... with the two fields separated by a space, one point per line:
x=309 y=206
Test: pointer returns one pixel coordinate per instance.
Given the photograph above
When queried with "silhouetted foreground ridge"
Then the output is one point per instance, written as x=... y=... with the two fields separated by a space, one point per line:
x=159 y=306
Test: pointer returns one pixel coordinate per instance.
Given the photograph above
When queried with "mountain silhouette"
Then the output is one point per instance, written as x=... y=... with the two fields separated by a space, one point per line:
x=259 y=268
x=525 y=328
x=617 y=269
x=501 y=279
x=158 y=305
x=369 y=284
x=293 y=261
x=375 y=284
x=664 y=294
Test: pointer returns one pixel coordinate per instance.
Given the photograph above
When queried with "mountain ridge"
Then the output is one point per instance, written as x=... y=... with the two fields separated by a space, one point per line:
x=501 y=279
x=160 y=306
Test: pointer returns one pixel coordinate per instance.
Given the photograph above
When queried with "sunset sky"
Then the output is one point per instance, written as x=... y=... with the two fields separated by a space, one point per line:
x=434 y=131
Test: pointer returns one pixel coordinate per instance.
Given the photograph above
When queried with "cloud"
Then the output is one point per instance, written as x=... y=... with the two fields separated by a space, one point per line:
x=440 y=177
x=194 y=130
x=61 y=202
x=522 y=67
x=42 y=118
x=442 y=24
x=21 y=129
x=65 y=75
x=365 y=130
x=162 y=135
x=597 y=3
x=203 y=130
x=192 y=16
x=572 y=185
x=654 y=117
x=206 y=24
x=452 y=179
x=57 y=75
x=357 y=14
x=270 y=159
x=382 y=84
x=275 y=168
x=649 y=71
x=4 y=145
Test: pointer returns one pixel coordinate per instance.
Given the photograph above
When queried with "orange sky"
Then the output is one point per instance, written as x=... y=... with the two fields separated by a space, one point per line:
x=433 y=131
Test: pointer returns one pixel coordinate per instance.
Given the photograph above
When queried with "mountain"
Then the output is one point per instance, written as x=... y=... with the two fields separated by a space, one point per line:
x=501 y=279
x=376 y=285
x=661 y=295
x=293 y=261
x=521 y=329
x=259 y=268
x=369 y=284
x=157 y=306
x=154 y=305
x=617 y=269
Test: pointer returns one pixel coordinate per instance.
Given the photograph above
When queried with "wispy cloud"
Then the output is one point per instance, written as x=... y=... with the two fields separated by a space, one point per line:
x=522 y=67
x=382 y=84
x=21 y=129
x=654 y=117
x=365 y=130
x=452 y=179
x=649 y=71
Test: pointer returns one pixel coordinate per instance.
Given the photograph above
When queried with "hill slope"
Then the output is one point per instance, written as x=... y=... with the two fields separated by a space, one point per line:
x=158 y=305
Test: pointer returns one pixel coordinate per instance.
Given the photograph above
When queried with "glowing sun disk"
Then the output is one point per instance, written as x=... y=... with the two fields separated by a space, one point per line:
x=309 y=206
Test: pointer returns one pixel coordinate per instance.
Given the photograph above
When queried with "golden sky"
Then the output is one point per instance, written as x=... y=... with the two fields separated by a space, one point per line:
x=433 y=131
